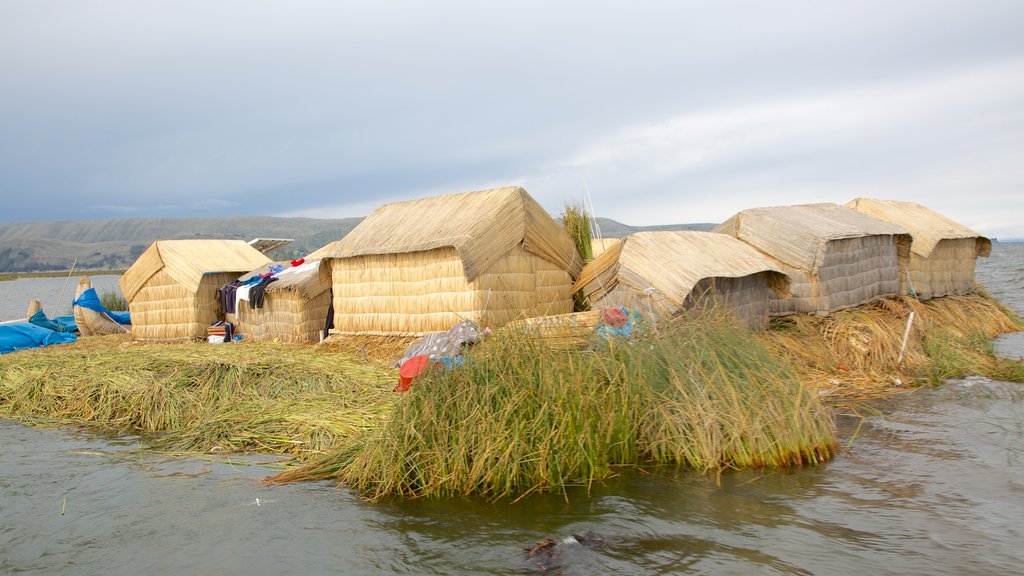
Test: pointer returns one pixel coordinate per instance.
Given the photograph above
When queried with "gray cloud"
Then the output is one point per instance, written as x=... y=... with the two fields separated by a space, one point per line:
x=323 y=108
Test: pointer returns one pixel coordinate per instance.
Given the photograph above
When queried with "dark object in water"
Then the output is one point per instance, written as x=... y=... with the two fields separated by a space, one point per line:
x=546 y=553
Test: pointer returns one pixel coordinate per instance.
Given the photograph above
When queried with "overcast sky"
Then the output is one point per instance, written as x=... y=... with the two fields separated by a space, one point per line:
x=667 y=112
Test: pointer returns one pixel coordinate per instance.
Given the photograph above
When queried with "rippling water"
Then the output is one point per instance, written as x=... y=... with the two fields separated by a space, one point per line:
x=931 y=483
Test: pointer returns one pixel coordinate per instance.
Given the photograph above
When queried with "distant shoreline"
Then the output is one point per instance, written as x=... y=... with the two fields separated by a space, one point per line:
x=57 y=274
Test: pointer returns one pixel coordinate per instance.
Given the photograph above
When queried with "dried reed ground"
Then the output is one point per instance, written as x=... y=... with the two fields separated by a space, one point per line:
x=332 y=409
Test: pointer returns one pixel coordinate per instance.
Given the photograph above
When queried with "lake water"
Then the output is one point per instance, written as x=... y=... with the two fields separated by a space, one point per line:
x=931 y=483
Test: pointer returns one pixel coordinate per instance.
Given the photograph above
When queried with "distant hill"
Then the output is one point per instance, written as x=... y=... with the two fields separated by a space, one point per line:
x=115 y=244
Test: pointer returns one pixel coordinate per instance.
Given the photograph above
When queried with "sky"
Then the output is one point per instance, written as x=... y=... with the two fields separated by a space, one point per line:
x=651 y=112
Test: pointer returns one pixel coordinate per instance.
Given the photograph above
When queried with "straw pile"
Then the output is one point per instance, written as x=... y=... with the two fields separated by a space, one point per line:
x=856 y=353
x=661 y=273
x=836 y=257
x=294 y=309
x=172 y=287
x=943 y=252
x=424 y=265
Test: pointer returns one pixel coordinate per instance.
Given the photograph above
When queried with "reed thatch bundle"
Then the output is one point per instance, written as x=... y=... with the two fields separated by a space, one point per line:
x=943 y=253
x=599 y=245
x=835 y=257
x=171 y=288
x=661 y=273
x=560 y=331
x=294 y=307
x=424 y=265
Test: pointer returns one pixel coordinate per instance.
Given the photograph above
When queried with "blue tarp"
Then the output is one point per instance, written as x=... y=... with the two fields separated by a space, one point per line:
x=24 y=335
x=90 y=300
x=58 y=324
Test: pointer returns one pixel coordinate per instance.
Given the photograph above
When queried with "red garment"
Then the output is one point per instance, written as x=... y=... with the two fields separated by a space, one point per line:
x=614 y=317
x=298 y=262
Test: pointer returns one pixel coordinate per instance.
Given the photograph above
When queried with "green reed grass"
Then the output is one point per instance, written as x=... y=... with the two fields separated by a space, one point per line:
x=112 y=300
x=520 y=417
x=232 y=397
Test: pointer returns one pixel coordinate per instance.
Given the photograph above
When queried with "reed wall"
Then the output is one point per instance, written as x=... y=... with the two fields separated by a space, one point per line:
x=947 y=271
x=164 y=310
x=853 y=271
x=418 y=292
x=286 y=316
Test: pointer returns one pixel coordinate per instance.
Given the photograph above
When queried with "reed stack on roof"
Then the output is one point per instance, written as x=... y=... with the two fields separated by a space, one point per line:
x=835 y=257
x=943 y=253
x=424 y=265
x=294 y=306
x=171 y=288
x=662 y=273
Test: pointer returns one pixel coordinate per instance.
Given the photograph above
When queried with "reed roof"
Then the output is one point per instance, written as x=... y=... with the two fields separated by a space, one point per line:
x=924 y=224
x=673 y=263
x=798 y=236
x=482 y=227
x=309 y=279
x=186 y=261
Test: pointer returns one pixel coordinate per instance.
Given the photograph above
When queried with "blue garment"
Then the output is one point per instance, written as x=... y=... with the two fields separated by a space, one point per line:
x=25 y=335
x=90 y=300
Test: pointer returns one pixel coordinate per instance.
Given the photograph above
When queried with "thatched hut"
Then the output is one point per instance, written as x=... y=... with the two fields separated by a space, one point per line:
x=294 y=308
x=662 y=273
x=835 y=257
x=943 y=253
x=171 y=288
x=424 y=265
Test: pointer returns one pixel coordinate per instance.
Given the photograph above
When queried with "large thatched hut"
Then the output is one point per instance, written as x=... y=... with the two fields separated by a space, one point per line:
x=171 y=288
x=835 y=257
x=943 y=253
x=662 y=273
x=294 y=307
x=424 y=265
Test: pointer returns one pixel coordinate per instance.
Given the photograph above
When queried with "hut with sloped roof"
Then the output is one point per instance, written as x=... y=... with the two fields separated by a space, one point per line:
x=171 y=288
x=424 y=265
x=943 y=253
x=835 y=257
x=294 y=306
x=661 y=274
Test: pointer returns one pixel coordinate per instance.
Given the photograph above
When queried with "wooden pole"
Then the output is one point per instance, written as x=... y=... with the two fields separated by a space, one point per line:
x=906 y=336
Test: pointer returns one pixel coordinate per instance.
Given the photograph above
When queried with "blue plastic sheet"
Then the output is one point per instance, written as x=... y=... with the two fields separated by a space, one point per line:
x=58 y=324
x=25 y=335
x=90 y=300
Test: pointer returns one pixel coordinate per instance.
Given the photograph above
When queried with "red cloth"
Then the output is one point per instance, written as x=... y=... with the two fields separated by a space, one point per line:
x=409 y=370
x=298 y=262
x=614 y=317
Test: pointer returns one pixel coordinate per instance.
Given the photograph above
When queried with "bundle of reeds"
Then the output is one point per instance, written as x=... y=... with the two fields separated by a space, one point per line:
x=521 y=416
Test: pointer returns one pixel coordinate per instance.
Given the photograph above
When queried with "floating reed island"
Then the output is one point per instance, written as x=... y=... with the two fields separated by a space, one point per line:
x=718 y=372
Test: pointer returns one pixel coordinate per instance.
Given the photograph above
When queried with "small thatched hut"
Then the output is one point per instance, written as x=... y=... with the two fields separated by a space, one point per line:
x=662 y=273
x=835 y=257
x=171 y=288
x=943 y=253
x=294 y=308
x=424 y=265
